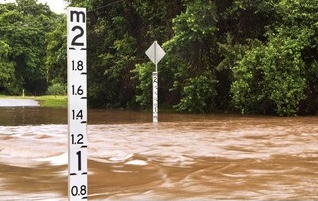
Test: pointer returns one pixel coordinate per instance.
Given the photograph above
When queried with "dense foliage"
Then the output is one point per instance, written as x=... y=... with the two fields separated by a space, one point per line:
x=250 y=56
x=23 y=46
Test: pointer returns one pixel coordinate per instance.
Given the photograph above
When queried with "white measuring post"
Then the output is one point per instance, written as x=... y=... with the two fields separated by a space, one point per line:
x=155 y=97
x=155 y=54
x=77 y=103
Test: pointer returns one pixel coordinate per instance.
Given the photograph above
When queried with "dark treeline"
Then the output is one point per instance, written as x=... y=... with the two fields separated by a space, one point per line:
x=248 y=56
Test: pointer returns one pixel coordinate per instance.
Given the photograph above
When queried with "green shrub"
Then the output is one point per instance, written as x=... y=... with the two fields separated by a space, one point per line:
x=198 y=95
x=56 y=89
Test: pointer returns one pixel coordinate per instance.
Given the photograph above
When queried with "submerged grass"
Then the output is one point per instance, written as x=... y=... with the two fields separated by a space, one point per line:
x=44 y=101
x=52 y=101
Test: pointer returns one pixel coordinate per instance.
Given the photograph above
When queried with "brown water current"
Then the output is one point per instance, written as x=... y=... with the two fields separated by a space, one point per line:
x=184 y=157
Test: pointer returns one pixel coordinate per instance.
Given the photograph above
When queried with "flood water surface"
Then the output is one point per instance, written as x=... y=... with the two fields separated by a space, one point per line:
x=184 y=157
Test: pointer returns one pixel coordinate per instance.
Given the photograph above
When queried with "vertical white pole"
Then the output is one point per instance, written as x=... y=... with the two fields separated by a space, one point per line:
x=155 y=87
x=155 y=97
x=77 y=103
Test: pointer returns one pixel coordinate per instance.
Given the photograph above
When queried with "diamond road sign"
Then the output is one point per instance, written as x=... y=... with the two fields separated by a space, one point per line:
x=155 y=53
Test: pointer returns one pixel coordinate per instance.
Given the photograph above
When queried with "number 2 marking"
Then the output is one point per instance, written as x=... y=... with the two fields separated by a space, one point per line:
x=74 y=41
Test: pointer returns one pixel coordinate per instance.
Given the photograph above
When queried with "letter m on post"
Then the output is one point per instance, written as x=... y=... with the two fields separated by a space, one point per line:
x=77 y=15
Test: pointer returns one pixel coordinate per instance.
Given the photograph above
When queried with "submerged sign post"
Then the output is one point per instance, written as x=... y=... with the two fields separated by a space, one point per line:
x=77 y=103
x=155 y=54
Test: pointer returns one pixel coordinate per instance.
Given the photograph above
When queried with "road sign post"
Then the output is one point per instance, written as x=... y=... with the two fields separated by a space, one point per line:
x=155 y=54
x=77 y=103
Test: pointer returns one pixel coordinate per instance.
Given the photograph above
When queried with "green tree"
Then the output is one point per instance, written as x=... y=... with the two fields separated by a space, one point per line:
x=256 y=56
x=299 y=17
x=273 y=76
x=191 y=58
x=114 y=53
x=7 y=78
x=270 y=78
x=56 y=53
x=23 y=28
x=118 y=34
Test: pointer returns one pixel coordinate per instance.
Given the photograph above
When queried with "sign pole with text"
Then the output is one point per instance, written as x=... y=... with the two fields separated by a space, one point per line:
x=77 y=103
x=155 y=54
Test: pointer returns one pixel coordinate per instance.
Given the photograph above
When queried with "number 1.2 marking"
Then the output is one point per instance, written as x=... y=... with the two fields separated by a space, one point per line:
x=77 y=139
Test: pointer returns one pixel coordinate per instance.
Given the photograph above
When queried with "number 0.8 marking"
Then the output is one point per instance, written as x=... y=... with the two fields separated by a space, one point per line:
x=75 y=191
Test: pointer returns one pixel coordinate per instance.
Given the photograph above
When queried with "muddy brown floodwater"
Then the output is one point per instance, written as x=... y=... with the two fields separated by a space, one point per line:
x=184 y=157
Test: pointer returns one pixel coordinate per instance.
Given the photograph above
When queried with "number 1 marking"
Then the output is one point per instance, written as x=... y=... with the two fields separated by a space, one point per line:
x=79 y=157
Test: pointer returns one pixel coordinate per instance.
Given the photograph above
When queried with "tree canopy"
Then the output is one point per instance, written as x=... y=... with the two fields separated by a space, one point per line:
x=248 y=56
x=22 y=36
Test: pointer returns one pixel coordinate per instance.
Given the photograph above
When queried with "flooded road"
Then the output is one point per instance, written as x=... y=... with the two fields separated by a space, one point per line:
x=185 y=157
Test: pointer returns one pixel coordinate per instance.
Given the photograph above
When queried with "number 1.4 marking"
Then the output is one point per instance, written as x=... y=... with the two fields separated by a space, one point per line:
x=77 y=115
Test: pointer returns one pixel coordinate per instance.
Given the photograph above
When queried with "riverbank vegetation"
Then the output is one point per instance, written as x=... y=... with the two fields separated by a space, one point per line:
x=248 y=56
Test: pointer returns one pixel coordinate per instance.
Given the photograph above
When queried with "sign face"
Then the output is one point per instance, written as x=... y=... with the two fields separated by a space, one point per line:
x=77 y=103
x=155 y=53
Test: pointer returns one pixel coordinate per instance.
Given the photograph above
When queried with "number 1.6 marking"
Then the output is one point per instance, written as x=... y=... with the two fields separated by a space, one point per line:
x=77 y=90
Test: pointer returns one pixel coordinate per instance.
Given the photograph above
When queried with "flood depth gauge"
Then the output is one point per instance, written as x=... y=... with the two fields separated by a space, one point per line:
x=77 y=103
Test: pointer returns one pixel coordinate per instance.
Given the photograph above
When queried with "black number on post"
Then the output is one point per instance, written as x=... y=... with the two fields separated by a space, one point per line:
x=74 y=41
x=79 y=155
x=79 y=67
x=78 y=140
x=78 y=91
x=78 y=192
x=77 y=116
x=74 y=191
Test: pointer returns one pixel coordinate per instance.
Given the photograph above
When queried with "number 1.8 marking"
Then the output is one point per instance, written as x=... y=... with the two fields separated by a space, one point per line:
x=77 y=66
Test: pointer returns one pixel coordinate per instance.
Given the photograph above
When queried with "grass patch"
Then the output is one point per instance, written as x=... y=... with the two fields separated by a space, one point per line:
x=51 y=101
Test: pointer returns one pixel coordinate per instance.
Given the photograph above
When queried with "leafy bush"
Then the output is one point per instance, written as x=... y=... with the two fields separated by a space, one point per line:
x=271 y=76
x=144 y=72
x=56 y=89
x=198 y=95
